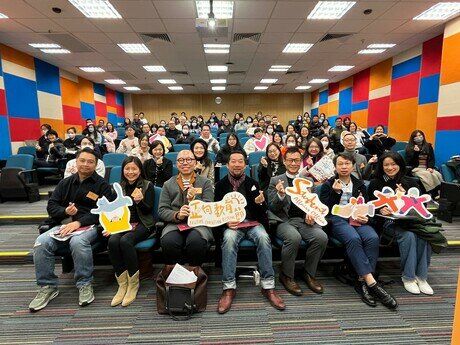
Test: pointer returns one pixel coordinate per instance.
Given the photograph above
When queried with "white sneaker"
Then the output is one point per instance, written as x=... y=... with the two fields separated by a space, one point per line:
x=424 y=286
x=411 y=286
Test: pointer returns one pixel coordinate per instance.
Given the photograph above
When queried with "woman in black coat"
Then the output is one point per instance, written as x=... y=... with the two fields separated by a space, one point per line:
x=158 y=169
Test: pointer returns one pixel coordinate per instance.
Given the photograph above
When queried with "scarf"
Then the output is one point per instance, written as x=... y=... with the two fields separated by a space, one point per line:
x=236 y=182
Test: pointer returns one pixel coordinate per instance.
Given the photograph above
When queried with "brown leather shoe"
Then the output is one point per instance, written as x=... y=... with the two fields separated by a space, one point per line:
x=225 y=301
x=275 y=300
x=312 y=283
x=290 y=285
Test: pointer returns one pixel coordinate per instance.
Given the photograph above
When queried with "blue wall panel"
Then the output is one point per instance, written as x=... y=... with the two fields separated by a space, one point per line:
x=88 y=111
x=323 y=97
x=120 y=98
x=99 y=89
x=47 y=77
x=5 y=143
x=429 y=89
x=407 y=67
x=21 y=97
x=445 y=147
x=345 y=101
x=360 y=106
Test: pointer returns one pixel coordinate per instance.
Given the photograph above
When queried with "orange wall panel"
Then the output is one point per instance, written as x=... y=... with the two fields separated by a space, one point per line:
x=333 y=108
x=70 y=93
x=450 y=66
x=315 y=96
x=403 y=118
x=57 y=125
x=426 y=120
x=346 y=83
x=86 y=90
x=360 y=117
x=380 y=75
x=324 y=108
x=17 y=57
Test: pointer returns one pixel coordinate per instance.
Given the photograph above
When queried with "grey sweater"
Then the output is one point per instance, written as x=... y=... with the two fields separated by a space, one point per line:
x=172 y=199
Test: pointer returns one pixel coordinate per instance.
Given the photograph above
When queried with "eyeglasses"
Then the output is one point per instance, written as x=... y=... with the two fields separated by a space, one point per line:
x=185 y=160
x=296 y=161
x=349 y=140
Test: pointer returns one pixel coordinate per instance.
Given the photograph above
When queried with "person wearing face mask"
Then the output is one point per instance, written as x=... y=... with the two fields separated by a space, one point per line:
x=322 y=116
x=71 y=144
x=71 y=166
x=326 y=141
x=186 y=137
x=90 y=131
x=158 y=169
x=291 y=142
x=269 y=130
x=420 y=156
x=195 y=129
x=42 y=141
x=241 y=124
x=110 y=136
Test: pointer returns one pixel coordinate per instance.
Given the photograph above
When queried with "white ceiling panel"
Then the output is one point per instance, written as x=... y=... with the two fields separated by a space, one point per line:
x=253 y=9
x=41 y=25
x=283 y=25
x=19 y=9
x=249 y=25
x=124 y=37
x=45 y=8
x=351 y=25
x=147 y=25
x=176 y=9
x=77 y=24
x=384 y=26
x=415 y=26
x=10 y=26
x=276 y=37
x=378 y=9
x=92 y=37
x=184 y=38
x=293 y=9
x=317 y=25
x=406 y=10
x=135 y=8
x=180 y=25
x=112 y=25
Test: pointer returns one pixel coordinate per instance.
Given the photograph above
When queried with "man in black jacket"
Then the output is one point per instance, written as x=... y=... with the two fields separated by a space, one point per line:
x=172 y=131
x=234 y=233
x=70 y=205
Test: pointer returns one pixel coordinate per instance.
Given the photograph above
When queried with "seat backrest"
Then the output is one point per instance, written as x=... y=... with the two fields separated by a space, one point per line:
x=24 y=161
x=223 y=171
x=254 y=157
x=120 y=132
x=244 y=140
x=180 y=147
x=172 y=141
x=27 y=150
x=172 y=156
x=212 y=156
x=447 y=173
x=403 y=154
x=399 y=145
x=115 y=174
x=113 y=159
x=222 y=141
x=156 y=202
x=175 y=171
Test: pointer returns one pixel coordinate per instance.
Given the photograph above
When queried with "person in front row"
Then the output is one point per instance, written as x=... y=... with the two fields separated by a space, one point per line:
x=234 y=233
x=186 y=246
x=122 y=250
x=359 y=238
x=70 y=205
x=293 y=226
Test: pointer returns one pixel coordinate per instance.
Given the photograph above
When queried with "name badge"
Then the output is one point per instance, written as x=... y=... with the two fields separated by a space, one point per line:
x=92 y=196
x=198 y=190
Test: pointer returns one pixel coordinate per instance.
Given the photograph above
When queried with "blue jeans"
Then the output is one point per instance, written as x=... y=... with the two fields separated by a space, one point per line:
x=361 y=244
x=45 y=248
x=415 y=252
x=259 y=236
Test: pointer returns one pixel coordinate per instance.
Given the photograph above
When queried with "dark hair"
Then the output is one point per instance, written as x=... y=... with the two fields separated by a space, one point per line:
x=89 y=139
x=383 y=127
x=71 y=128
x=292 y=136
x=292 y=150
x=258 y=130
x=128 y=127
x=233 y=135
x=205 y=159
x=413 y=135
x=324 y=135
x=300 y=131
x=127 y=121
x=142 y=136
x=424 y=149
x=280 y=156
x=52 y=132
x=325 y=119
x=126 y=161
x=343 y=155
x=347 y=119
x=154 y=125
x=164 y=128
x=277 y=134
x=339 y=118
x=320 y=145
x=290 y=125
x=353 y=123
x=206 y=125
x=107 y=127
x=397 y=159
x=240 y=152
x=87 y=150
x=47 y=126
x=155 y=144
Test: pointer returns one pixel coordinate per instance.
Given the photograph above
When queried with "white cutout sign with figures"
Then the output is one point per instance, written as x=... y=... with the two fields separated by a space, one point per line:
x=230 y=209
x=355 y=208
x=307 y=201
x=114 y=216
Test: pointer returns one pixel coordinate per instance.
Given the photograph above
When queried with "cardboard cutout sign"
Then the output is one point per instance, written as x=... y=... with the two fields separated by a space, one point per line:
x=307 y=201
x=261 y=143
x=400 y=204
x=355 y=208
x=323 y=169
x=212 y=214
x=114 y=216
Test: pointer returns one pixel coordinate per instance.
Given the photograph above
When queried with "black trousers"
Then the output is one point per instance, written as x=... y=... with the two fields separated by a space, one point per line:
x=184 y=247
x=122 y=251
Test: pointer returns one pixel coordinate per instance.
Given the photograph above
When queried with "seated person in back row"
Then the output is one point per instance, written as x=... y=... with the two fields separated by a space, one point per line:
x=71 y=166
x=53 y=151
x=234 y=233
x=359 y=238
x=70 y=205
x=188 y=246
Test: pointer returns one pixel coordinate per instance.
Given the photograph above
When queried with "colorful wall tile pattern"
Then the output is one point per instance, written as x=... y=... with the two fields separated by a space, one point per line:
x=401 y=93
x=34 y=92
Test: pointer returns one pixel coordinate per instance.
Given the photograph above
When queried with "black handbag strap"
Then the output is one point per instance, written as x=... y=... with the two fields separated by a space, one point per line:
x=187 y=309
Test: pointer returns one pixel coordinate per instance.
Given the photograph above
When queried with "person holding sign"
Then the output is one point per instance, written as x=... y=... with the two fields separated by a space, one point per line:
x=415 y=252
x=314 y=151
x=359 y=238
x=122 y=251
x=70 y=205
x=293 y=226
x=252 y=228
x=181 y=244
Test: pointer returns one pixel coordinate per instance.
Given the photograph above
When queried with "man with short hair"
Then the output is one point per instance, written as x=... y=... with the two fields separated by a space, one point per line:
x=336 y=133
x=293 y=227
x=188 y=246
x=213 y=144
x=362 y=169
x=277 y=127
x=137 y=122
x=235 y=232
x=70 y=205
x=172 y=131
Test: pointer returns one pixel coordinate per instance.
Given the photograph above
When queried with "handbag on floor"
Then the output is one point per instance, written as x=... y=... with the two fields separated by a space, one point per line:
x=182 y=300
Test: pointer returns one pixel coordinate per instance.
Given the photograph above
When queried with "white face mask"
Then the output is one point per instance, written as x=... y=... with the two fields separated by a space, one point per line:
x=418 y=140
x=185 y=131
x=269 y=130
x=91 y=129
x=290 y=144
x=325 y=144
x=84 y=146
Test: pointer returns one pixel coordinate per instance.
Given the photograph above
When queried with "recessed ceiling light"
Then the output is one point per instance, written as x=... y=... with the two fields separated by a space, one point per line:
x=155 y=68
x=268 y=81
x=303 y=87
x=3 y=16
x=115 y=81
x=371 y=51
x=216 y=51
x=55 y=51
x=260 y=87
x=279 y=68
x=44 y=45
x=330 y=9
x=134 y=48
x=297 y=47
x=96 y=8
x=167 y=81
x=92 y=69
x=175 y=88
x=221 y=9
x=440 y=11
x=218 y=81
x=318 y=81
x=217 y=68
x=131 y=88
x=218 y=88
x=340 y=68
x=216 y=46
x=381 y=45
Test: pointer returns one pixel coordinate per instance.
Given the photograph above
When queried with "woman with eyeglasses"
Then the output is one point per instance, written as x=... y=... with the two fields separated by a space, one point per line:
x=232 y=144
x=270 y=165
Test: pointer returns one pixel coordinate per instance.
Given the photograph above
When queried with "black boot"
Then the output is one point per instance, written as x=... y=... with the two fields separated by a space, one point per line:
x=363 y=290
x=383 y=296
